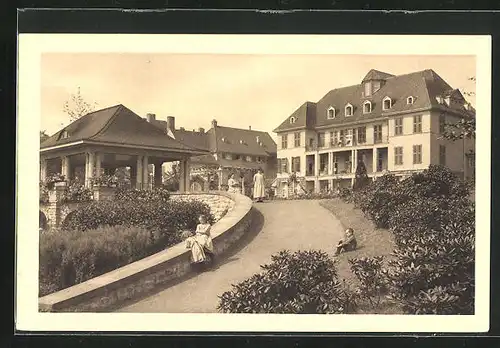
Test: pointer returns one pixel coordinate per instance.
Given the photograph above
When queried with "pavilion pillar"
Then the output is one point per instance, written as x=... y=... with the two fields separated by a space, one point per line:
x=133 y=176
x=184 y=175
x=158 y=177
x=139 y=173
x=89 y=168
x=98 y=167
x=145 y=173
x=43 y=169
x=65 y=168
x=220 y=178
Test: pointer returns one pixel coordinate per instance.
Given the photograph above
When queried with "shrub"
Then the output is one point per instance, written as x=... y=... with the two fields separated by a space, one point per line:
x=155 y=215
x=161 y=194
x=71 y=257
x=77 y=192
x=299 y=282
x=372 y=284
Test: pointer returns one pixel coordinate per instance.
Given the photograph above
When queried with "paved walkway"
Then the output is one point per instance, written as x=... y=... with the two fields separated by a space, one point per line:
x=293 y=225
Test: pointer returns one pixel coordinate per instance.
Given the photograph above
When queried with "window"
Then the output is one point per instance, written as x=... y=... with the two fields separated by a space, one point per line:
x=417 y=124
x=296 y=164
x=64 y=134
x=331 y=113
x=348 y=110
x=398 y=126
x=284 y=141
x=387 y=103
x=367 y=107
x=334 y=138
x=398 y=155
x=368 y=89
x=249 y=158
x=321 y=140
x=258 y=159
x=228 y=156
x=442 y=155
x=341 y=138
x=292 y=120
x=417 y=154
x=296 y=139
x=237 y=157
x=410 y=100
x=349 y=137
x=283 y=165
x=377 y=133
x=323 y=164
x=361 y=135
x=311 y=142
x=442 y=123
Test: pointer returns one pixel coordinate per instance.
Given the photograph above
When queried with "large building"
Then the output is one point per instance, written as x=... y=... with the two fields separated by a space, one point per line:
x=232 y=151
x=391 y=123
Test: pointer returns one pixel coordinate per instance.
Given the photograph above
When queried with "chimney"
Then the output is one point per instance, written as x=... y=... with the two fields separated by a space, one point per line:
x=249 y=127
x=150 y=117
x=201 y=130
x=171 y=123
x=214 y=123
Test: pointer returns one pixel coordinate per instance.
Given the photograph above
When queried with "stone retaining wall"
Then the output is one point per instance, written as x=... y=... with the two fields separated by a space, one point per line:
x=219 y=204
x=110 y=290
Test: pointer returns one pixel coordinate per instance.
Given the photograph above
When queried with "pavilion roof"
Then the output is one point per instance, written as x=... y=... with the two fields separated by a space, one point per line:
x=119 y=126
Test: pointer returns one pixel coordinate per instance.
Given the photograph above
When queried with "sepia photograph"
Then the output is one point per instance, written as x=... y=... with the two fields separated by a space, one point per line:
x=195 y=177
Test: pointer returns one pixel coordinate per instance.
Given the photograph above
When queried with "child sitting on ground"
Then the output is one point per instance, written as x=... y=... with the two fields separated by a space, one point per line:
x=349 y=243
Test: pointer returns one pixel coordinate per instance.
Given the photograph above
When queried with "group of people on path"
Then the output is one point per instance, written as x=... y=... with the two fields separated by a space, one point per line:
x=259 y=186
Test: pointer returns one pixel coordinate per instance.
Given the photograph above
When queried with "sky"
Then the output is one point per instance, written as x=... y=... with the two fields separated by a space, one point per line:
x=237 y=90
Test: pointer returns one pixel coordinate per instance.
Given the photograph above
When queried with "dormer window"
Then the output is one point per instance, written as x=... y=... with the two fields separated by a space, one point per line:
x=64 y=134
x=330 y=113
x=348 y=110
x=387 y=103
x=223 y=139
x=367 y=107
x=292 y=120
x=410 y=100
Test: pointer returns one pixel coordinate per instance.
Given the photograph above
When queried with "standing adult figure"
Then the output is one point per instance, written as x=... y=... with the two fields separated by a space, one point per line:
x=259 y=186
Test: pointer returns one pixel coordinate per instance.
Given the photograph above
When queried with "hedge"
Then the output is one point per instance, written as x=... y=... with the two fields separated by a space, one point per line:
x=71 y=257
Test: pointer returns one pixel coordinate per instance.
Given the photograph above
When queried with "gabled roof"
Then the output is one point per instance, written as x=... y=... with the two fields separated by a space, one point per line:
x=192 y=138
x=424 y=86
x=376 y=75
x=118 y=125
x=241 y=141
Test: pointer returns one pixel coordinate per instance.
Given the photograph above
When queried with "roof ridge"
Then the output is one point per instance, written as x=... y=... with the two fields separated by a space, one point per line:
x=108 y=123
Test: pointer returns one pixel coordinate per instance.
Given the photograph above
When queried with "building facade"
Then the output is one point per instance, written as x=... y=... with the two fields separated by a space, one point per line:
x=391 y=123
x=231 y=151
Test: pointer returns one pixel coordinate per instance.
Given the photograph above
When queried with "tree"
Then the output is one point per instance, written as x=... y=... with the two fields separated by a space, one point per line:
x=77 y=106
x=43 y=136
x=466 y=127
x=171 y=178
x=361 y=176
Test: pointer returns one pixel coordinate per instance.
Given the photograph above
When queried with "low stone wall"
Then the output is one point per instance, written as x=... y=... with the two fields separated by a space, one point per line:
x=219 y=203
x=110 y=290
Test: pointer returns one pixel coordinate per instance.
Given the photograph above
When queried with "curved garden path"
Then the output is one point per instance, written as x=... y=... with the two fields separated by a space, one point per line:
x=276 y=225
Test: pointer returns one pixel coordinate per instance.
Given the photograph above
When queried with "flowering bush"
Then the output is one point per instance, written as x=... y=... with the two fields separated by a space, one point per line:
x=77 y=192
x=105 y=180
x=71 y=257
x=52 y=179
x=300 y=282
x=161 y=194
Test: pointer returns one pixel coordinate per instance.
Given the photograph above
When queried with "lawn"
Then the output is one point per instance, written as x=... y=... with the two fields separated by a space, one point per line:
x=372 y=241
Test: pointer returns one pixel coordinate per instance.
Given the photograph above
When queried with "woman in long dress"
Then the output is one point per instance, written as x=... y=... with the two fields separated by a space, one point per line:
x=202 y=248
x=259 y=186
x=233 y=185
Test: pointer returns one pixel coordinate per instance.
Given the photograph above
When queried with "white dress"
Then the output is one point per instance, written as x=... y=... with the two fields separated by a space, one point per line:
x=259 y=186
x=199 y=243
x=233 y=186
